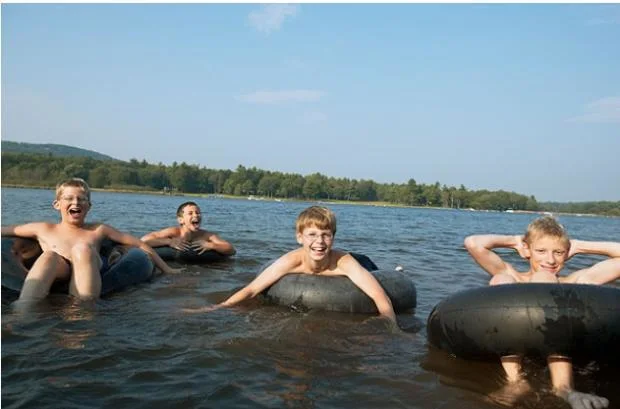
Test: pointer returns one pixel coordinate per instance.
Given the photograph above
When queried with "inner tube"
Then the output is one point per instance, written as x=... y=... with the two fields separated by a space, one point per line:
x=338 y=293
x=133 y=267
x=189 y=256
x=535 y=319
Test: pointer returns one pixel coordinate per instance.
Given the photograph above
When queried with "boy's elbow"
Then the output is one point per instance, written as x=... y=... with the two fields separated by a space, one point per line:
x=469 y=242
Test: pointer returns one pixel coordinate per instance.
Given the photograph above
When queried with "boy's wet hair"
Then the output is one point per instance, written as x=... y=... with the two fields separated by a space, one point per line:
x=183 y=206
x=73 y=182
x=546 y=226
x=318 y=216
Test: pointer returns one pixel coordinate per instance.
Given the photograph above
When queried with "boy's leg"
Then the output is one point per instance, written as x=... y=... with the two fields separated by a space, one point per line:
x=86 y=278
x=47 y=268
x=561 y=371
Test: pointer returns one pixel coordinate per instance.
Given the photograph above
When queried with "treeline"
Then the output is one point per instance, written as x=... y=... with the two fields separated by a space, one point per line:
x=47 y=170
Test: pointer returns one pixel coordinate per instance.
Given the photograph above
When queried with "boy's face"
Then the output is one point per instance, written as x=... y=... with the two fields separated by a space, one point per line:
x=191 y=218
x=316 y=242
x=547 y=254
x=73 y=205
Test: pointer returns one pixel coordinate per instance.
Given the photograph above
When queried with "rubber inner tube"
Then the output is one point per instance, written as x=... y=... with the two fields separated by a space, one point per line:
x=576 y=320
x=189 y=256
x=132 y=266
x=338 y=293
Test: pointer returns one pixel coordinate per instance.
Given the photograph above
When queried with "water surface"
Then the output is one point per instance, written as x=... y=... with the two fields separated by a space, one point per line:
x=136 y=349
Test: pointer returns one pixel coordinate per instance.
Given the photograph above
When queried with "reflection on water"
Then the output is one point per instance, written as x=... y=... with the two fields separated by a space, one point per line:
x=136 y=349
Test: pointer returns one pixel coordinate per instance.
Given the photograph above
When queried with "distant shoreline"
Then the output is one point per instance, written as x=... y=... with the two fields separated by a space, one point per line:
x=322 y=201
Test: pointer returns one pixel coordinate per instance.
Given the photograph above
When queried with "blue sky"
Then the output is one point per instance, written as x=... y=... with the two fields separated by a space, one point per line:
x=524 y=98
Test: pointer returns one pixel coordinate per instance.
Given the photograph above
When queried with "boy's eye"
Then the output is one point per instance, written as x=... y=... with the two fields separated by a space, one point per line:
x=80 y=199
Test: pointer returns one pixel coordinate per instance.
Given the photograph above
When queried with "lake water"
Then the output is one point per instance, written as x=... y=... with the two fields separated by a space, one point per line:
x=136 y=349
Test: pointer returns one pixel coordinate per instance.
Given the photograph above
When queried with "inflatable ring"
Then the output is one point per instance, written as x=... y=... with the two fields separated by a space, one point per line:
x=189 y=256
x=576 y=320
x=133 y=267
x=338 y=293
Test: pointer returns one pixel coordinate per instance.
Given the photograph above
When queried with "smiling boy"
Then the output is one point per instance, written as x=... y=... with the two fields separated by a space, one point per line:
x=188 y=235
x=71 y=247
x=315 y=233
x=547 y=247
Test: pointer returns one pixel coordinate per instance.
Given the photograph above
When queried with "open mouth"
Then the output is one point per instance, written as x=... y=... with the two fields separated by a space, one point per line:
x=75 y=211
x=195 y=223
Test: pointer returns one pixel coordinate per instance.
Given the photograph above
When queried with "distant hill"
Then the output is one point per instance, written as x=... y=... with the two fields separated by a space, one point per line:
x=51 y=148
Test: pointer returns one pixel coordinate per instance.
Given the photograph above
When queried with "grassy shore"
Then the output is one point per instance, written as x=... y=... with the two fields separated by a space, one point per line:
x=138 y=190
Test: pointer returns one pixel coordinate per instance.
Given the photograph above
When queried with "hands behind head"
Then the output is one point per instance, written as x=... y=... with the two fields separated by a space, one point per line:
x=522 y=247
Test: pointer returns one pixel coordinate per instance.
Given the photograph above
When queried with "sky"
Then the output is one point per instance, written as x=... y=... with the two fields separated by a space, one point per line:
x=522 y=98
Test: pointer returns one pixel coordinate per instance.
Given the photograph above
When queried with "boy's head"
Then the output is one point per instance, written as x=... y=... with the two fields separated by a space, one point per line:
x=73 y=183
x=73 y=200
x=546 y=226
x=316 y=216
x=548 y=245
x=316 y=228
x=189 y=215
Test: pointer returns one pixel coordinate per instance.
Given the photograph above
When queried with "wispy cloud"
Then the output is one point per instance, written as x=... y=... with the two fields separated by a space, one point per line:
x=270 y=17
x=611 y=16
x=275 y=97
x=604 y=110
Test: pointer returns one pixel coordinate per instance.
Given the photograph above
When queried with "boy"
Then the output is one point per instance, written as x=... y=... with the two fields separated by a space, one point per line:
x=71 y=247
x=189 y=235
x=547 y=247
x=316 y=229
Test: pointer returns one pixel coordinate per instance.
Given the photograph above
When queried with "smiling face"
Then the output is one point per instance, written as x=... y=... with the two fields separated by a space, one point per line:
x=548 y=254
x=316 y=242
x=73 y=204
x=190 y=217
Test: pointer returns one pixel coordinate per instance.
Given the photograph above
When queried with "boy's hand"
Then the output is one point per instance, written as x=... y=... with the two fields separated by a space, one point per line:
x=179 y=244
x=208 y=308
x=521 y=248
x=200 y=246
x=171 y=270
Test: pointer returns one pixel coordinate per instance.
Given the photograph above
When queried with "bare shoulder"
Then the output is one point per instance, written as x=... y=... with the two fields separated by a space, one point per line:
x=291 y=262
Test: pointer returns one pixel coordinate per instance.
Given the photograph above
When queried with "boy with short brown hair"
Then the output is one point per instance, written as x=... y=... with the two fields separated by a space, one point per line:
x=315 y=232
x=188 y=235
x=547 y=247
x=71 y=247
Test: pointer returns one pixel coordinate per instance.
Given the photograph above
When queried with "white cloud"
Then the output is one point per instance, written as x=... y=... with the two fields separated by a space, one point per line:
x=274 y=97
x=270 y=17
x=604 y=110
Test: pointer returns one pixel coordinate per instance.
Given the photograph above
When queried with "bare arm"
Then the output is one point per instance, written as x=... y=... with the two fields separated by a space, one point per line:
x=169 y=236
x=266 y=278
x=601 y=273
x=480 y=248
x=129 y=240
x=368 y=284
x=28 y=230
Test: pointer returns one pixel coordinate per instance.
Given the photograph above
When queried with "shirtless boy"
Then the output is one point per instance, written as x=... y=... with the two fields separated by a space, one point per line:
x=71 y=247
x=547 y=247
x=188 y=235
x=315 y=231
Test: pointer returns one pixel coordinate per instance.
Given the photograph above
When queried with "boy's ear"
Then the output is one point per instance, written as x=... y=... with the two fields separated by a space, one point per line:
x=526 y=250
x=299 y=238
x=56 y=204
x=180 y=221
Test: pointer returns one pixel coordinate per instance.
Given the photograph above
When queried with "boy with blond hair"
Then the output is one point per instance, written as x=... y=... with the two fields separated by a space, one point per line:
x=547 y=247
x=71 y=247
x=188 y=235
x=315 y=232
